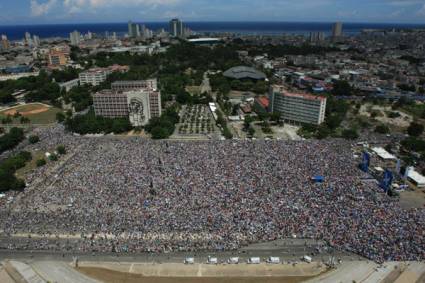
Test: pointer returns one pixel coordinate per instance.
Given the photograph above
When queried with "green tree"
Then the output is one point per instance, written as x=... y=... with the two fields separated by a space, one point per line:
x=60 y=117
x=343 y=88
x=61 y=149
x=415 y=129
x=350 y=134
x=41 y=162
x=159 y=133
x=33 y=139
x=382 y=129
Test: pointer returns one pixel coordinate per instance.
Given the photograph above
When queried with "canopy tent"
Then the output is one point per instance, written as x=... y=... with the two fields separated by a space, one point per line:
x=318 y=179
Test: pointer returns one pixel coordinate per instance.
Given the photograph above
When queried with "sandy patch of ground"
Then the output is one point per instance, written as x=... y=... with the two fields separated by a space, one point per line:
x=412 y=199
x=27 y=109
x=403 y=121
x=208 y=270
x=164 y=273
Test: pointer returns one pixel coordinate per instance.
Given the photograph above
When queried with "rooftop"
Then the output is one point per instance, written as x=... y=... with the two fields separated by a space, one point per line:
x=244 y=72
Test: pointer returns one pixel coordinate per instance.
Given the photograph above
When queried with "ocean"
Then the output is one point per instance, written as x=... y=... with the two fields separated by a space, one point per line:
x=245 y=28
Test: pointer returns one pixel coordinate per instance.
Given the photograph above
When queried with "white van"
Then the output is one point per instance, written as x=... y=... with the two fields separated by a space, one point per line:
x=189 y=260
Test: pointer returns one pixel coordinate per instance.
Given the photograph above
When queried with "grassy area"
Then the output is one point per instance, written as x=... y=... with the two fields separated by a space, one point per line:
x=46 y=117
x=20 y=173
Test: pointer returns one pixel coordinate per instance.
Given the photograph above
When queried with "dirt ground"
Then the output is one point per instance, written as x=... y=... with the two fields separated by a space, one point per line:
x=110 y=276
x=402 y=122
x=28 y=109
x=412 y=199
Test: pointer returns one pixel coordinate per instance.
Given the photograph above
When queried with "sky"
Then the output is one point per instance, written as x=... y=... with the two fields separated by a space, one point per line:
x=104 y=11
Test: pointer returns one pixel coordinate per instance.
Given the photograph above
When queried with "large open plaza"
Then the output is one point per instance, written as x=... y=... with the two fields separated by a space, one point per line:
x=129 y=195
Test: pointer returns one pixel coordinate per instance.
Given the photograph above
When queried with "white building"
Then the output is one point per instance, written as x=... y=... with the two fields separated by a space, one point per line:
x=69 y=84
x=297 y=107
x=139 y=105
x=94 y=76
x=75 y=38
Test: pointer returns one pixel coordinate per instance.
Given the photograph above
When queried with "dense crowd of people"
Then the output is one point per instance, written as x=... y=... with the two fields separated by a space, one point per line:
x=133 y=195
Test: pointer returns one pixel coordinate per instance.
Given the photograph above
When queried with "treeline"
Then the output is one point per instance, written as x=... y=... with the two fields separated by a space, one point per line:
x=80 y=97
x=91 y=124
x=40 y=88
x=224 y=85
x=163 y=127
x=336 y=111
x=8 y=180
x=11 y=139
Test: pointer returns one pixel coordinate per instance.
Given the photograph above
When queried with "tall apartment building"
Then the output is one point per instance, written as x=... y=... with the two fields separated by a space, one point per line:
x=28 y=40
x=317 y=37
x=75 y=38
x=4 y=43
x=36 y=40
x=132 y=85
x=337 y=30
x=59 y=55
x=133 y=29
x=139 y=105
x=176 y=28
x=297 y=107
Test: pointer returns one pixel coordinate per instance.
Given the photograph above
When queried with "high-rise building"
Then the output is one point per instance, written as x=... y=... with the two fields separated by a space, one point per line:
x=317 y=37
x=297 y=107
x=36 y=40
x=176 y=28
x=139 y=105
x=133 y=29
x=75 y=38
x=28 y=40
x=337 y=30
x=4 y=43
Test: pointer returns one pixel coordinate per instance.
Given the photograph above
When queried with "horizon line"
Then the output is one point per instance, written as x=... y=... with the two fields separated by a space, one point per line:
x=221 y=21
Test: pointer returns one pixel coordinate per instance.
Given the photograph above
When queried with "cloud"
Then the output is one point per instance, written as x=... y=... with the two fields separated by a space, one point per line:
x=79 y=5
x=421 y=12
x=40 y=9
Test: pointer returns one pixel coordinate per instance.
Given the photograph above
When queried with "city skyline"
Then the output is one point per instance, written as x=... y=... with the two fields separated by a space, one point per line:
x=103 y=11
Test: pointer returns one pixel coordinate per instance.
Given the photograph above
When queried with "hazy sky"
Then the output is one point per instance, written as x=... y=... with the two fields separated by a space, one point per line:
x=87 y=11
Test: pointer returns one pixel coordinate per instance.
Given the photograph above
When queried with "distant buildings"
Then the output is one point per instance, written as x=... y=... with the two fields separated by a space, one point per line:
x=176 y=28
x=4 y=43
x=28 y=40
x=75 y=38
x=133 y=29
x=337 y=30
x=36 y=40
x=316 y=37
x=297 y=107
x=138 y=104
x=96 y=76
x=59 y=56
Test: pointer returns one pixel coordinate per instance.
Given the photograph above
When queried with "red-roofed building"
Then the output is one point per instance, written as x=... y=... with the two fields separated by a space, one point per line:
x=297 y=107
x=261 y=104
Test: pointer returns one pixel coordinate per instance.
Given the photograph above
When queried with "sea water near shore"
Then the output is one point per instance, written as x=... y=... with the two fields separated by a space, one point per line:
x=252 y=28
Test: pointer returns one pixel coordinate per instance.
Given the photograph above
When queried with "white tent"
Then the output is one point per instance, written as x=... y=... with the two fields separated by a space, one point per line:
x=254 y=260
x=212 y=260
x=233 y=260
x=382 y=153
x=274 y=260
x=416 y=178
x=189 y=260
